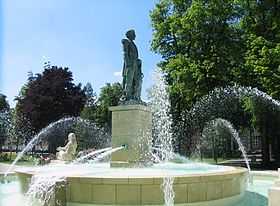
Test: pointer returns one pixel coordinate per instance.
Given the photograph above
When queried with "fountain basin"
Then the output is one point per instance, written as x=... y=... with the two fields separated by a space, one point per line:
x=131 y=186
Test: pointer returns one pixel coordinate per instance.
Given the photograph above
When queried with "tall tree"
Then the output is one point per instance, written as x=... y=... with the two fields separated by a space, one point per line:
x=4 y=105
x=208 y=44
x=50 y=96
x=4 y=117
x=3 y=128
x=201 y=46
x=261 y=24
x=23 y=130
x=89 y=110
x=90 y=95
x=110 y=95
x=261 y=18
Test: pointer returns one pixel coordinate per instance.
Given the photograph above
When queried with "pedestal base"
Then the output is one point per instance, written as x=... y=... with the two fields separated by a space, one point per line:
x=131 y=126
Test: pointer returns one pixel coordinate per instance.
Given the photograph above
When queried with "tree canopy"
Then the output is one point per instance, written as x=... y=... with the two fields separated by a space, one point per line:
x=200 y=43
x=109 y=96
x=50 y=96
x=208 y=44
x=4 y=105
x=261 y=25
x=212 y=44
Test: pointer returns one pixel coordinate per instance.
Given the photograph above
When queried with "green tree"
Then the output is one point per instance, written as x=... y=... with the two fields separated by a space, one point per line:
x=93 y=133
x=90 y=95
x=261 y=24
x=266 y=119
x=263 y=60
x=208 y=44
x=110 y=95
x=4 y=105
x=4 y=123
x=90 y=136
x=89 y=110
x=201 y=45
x=3 y=129
x=21 y=129
x=202 y=48
x=261 y=18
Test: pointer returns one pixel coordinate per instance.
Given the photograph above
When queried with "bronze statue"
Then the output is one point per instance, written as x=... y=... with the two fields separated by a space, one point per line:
x=132 y=74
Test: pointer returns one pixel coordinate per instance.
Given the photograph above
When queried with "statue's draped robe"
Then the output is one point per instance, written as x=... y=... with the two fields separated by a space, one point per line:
x=132 y=74
x=68 y=152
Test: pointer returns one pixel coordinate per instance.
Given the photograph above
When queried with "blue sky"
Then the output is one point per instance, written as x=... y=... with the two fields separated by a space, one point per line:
x=1 y=38
x=83 y=35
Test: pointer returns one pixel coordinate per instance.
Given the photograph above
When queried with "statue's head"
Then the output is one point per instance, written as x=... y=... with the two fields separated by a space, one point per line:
x=131 y=35
x=71 y=137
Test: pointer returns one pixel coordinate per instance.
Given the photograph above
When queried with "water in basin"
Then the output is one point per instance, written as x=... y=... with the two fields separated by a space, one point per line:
x=104 y=170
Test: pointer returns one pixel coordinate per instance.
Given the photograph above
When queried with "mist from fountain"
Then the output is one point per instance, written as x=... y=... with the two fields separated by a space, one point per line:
x=44 y=133
x=42 y=189
x=218 y=104
x=36 y=139
x=207 y=107
x=214 y=124
x=43 y=186
x=237 y=139
x=162 y=131
x=162 y=121
x=220 y=100
x=168 y=191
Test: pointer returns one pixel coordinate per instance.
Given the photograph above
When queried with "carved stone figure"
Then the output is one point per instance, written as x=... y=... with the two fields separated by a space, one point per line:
x=67 y=153
x=132 y=74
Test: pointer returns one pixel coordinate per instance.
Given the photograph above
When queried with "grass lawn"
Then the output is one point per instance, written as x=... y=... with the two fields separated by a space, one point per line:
x=26 y=160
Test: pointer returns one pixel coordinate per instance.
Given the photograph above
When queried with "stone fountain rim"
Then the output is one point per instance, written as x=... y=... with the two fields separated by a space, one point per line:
x=236 y=171
x=191 y=188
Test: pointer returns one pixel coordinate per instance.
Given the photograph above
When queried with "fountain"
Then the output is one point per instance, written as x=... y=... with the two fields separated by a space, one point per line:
x=131 y=177
x=63 y=122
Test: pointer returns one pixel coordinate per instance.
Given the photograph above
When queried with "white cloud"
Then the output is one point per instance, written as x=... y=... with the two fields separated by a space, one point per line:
x=118 y=74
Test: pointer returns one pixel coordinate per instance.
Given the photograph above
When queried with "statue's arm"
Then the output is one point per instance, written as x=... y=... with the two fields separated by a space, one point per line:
x=67 y=146
x=139 y=64
x=60 y=148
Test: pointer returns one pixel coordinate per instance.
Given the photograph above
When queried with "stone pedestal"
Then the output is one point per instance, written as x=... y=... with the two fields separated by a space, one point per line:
x=274 y=192
x=274 y=196
x=131 y=126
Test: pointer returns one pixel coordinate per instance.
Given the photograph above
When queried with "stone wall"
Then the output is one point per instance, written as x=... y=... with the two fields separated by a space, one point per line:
x=147 y=191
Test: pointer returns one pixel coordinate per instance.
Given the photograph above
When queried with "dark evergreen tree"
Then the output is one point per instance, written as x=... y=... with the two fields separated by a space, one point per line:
x=89 y=111
x=4 y=123
x=90 y=95
x=4 y=105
